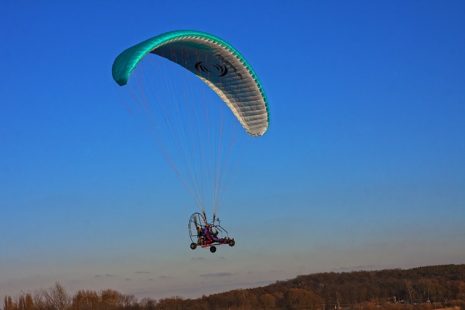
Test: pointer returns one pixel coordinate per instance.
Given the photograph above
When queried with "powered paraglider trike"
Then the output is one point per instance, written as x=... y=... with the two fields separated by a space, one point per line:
x=207 y=235
x=194 y=136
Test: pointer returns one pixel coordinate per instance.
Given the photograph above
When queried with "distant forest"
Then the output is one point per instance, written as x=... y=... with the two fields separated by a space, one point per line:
x=433 y=287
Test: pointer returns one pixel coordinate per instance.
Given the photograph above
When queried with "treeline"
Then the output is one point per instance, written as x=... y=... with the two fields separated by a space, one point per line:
x=418 y=288
x=418 y=285
x=56 y=298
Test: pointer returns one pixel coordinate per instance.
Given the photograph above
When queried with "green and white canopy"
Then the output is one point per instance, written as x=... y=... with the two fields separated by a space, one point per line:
x=215 y=62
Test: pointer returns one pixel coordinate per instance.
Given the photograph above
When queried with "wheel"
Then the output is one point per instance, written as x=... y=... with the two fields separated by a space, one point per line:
x=193 y=246
x=232 y=242
x=213 y=249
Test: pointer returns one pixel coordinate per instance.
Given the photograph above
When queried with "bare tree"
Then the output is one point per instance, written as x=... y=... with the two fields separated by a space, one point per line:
x=55 y=298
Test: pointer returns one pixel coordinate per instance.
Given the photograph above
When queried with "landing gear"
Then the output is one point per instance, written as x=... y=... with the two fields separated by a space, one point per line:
x=193 y=246
x=213 y=249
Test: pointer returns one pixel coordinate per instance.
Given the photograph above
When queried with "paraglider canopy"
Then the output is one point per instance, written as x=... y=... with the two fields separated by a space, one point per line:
x=215 y=62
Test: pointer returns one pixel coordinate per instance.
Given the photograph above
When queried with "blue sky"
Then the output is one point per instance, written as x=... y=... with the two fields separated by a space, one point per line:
x=363 y=165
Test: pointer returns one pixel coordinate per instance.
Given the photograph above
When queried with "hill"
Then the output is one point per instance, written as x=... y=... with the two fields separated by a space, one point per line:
x=431 y=287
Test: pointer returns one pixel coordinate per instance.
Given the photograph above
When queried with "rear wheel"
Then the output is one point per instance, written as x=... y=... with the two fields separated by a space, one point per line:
x=232 y=242
x=213 y=249
x=193 y=246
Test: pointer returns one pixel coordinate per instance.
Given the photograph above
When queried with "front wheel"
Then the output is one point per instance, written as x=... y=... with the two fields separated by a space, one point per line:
x=213 y=249
x=193 y=246
x=232 y=242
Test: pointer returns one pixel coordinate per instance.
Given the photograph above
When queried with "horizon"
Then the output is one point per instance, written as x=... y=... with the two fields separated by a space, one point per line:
x=363 y=163
x=343 y=270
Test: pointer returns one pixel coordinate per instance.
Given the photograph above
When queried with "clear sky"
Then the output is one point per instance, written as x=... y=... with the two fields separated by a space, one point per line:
x=363 y=165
